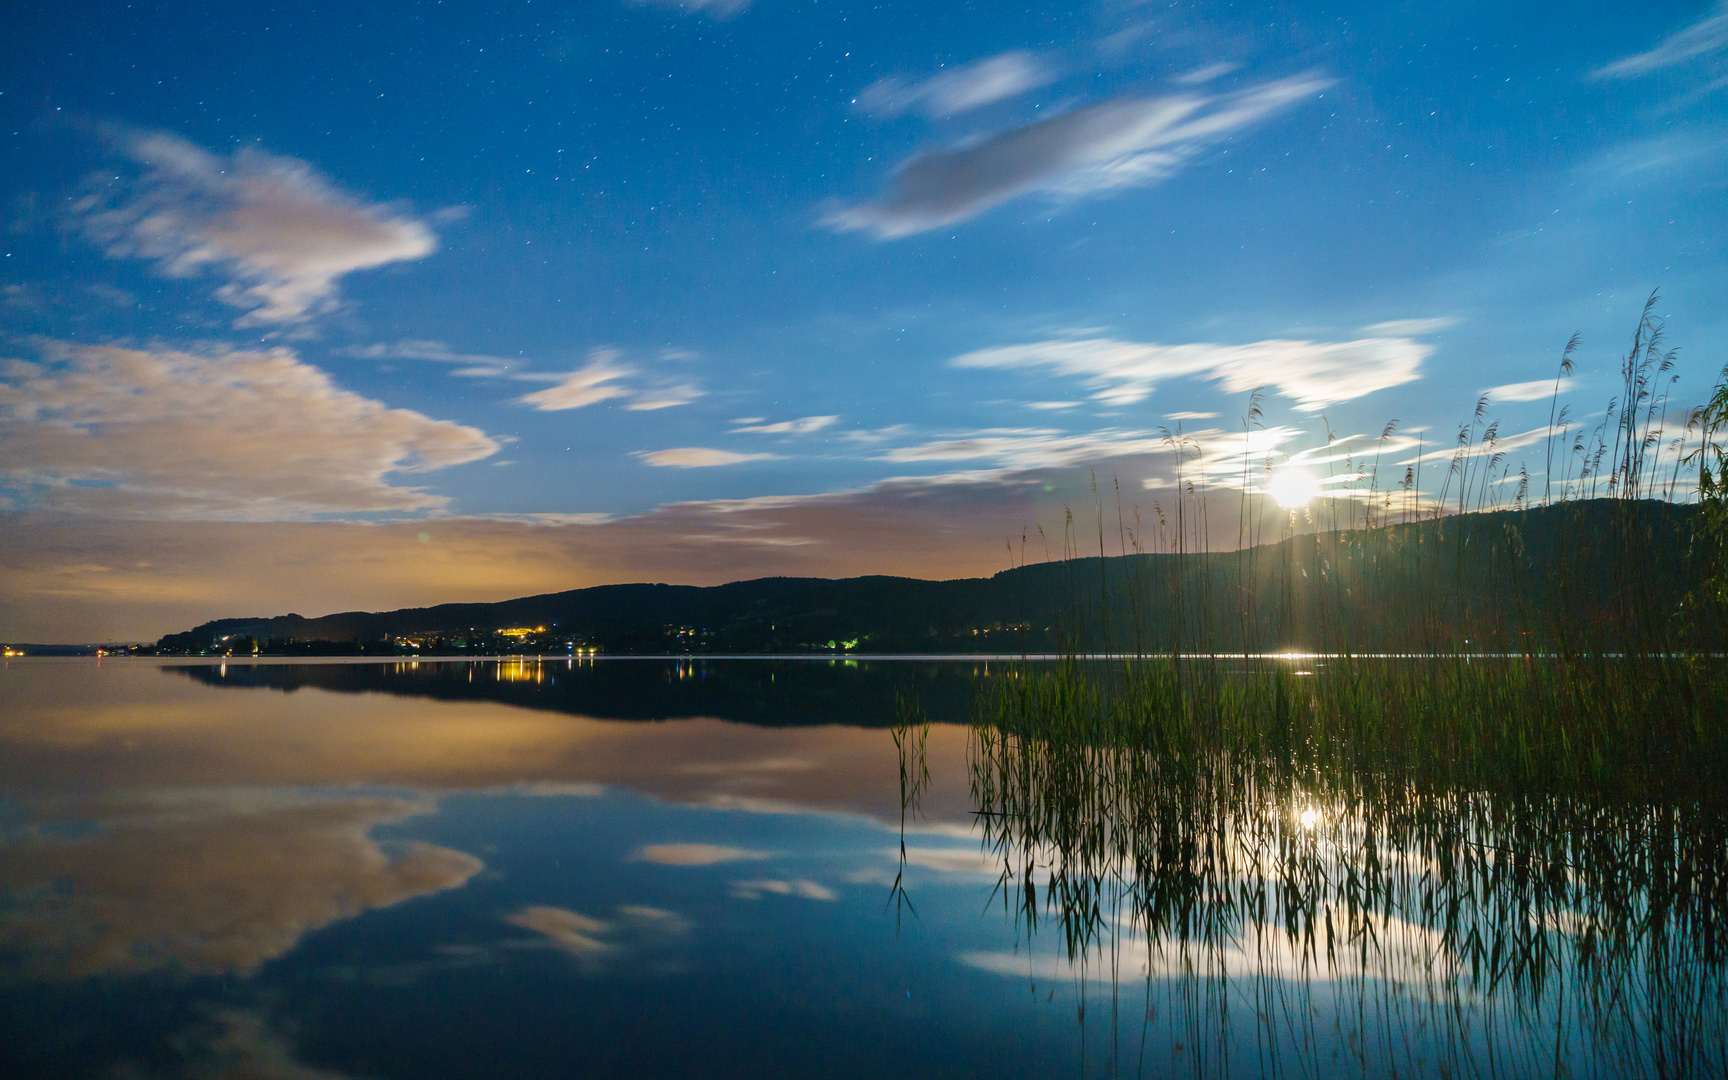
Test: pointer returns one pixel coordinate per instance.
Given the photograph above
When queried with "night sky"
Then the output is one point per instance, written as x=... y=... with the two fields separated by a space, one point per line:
x=357 y=306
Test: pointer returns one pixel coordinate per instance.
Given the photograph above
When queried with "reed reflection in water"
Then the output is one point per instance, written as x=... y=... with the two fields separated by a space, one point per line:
x=1301 y=892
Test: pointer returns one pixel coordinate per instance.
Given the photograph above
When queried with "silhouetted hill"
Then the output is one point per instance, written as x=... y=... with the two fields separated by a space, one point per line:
x=1574 y=574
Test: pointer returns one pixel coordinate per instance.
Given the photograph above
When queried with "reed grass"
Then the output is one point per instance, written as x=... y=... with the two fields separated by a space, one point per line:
x=1503 y=853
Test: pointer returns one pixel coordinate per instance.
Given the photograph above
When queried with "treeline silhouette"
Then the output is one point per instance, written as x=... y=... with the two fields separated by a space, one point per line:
x=1589 y=575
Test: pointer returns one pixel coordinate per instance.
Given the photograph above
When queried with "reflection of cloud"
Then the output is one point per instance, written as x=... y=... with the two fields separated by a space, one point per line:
x=1121 y=143
x=870 y=875
x=658 y=920
x=67 y=728
x=956 y=860
x=695 y=854
x=1313 y=373
x=806 y=890
x=550 y=789
x=1708 y=35
x=244 y=1048
x=256 y=435
x=280 y=231
x=1400 y=951
x=696 y=457
x=965 y=88
x=580 y=935
x=186 y=884
x=569 y=930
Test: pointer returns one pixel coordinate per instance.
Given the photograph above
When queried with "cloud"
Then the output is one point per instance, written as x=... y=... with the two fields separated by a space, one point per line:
x=471 y=365
x=1708 y=35
x=696 y=457
x=1205 y=74
x=1313 y=374
x=282 y=234
x=666 y=398
x=257 y=435
x=1535 y=390
x=590 y=385
x=695 y=854
x=83 y=578
x=1409 y=327
x=1121 y=143
x=720 y=9
x=1030 y=448
x=807 y=890
x=802 y=426
x=602 y=380
x=965 y=88
x=174 y=882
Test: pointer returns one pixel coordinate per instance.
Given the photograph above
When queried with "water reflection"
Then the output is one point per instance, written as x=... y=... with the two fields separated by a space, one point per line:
x=769 y=693
x=737 y=869
x=1282 y=916
x=202 y=876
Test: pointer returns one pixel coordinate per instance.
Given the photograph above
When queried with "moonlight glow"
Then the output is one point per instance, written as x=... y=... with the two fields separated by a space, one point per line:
x=1293 y=487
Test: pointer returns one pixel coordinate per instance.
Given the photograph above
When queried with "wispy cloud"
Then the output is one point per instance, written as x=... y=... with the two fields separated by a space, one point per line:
x=602 y=379
x=255 y=435
x=1312 y=373
x=1029 y=448
x=1122 y=143
x=719 y=9
x=963 y=89
x=472 y=365
x=1708 y=35
x=282 y=234
x=665 y=397
x=802 y=426
x=1410 y=327
x=1535 y=390
x=696 y=457
x=1205 y=74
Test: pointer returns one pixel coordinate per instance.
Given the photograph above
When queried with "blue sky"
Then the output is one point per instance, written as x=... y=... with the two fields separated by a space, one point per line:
x=653 y=291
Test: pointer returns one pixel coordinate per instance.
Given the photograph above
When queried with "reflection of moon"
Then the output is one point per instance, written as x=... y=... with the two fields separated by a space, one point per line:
x=209 y=882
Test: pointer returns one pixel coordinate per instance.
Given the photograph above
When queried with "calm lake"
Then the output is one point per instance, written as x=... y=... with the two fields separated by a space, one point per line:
x=745 y=868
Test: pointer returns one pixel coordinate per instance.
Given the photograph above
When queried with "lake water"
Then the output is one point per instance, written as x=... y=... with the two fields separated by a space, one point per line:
x=640 y=868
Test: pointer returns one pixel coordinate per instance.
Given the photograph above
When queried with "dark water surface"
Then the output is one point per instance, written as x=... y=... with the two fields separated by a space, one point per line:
x=651 y=868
